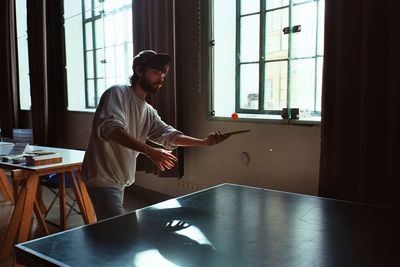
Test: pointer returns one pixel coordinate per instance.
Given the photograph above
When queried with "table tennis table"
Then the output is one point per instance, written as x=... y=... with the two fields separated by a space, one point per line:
x=229 y=225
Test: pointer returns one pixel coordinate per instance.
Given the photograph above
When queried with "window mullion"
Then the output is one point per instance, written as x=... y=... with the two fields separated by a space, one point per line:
x=238 y=63
x=289 y=76
x=94 y=52
x=316 y=58
x=84 y=54
x=261 y=89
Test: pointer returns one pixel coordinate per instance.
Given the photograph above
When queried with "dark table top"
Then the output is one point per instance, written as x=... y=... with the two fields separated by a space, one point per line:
x=229 y=225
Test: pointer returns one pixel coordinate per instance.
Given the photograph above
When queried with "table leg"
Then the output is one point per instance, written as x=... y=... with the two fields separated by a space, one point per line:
x=78 y=196
x=14 y=225
x=15 y=185
x=62 y=192
x=40 y=217
x=39 y=199
x=87 y=202
x=5 y=187
x=26 y=219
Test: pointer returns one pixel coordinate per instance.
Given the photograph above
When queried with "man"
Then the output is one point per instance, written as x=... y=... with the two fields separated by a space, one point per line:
x=122 y=123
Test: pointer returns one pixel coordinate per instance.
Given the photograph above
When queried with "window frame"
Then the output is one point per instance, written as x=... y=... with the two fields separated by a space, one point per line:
x=96 y=49
x=262 y=113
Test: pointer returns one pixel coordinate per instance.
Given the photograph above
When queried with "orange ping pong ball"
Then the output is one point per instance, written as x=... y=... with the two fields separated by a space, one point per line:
x=235 y=116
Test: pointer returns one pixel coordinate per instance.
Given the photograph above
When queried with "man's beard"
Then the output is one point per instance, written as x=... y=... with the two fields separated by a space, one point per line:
x=148 y=87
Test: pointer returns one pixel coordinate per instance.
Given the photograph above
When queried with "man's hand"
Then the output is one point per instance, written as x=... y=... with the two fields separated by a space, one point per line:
x=164 y=159
x=215 y=138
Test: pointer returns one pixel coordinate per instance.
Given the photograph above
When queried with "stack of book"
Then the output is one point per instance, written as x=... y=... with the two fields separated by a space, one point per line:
x=41 y=157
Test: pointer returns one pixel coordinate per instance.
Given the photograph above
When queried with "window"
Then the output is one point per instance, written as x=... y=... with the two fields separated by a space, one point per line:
x=99 y=48
x=23 y=63
x=267 y=56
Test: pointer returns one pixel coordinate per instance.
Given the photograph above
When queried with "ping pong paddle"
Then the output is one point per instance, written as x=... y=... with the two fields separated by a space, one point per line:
x=226 y=135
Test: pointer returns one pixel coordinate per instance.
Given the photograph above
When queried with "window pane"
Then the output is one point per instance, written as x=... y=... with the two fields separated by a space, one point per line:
x=249 y=6
x=304 y=42
x=23 y=71
x=120 y=80
x=128 y=56
x=100 y=63
x=120 y=29
x=90 y=92
x=21 y=18
x=88 y=8
x=321 y=23
x=101 y=87
x=249 y=86
x=250 y=38
x=128 y=25
x=74 y=40
x=303 y=84
x=99 y=30
x=88 y=36
x=318 y=97
x=276 y=42
x=98 y=8
x=89 y=65
x=73 y=8
x=110 y=81
x=111 y=63
x=224 y=57
x=301 y=1
x=109 y=29
x=110 y=6
x=23 y=63
x=275 y=91
x=276 y=3
x=119 y=60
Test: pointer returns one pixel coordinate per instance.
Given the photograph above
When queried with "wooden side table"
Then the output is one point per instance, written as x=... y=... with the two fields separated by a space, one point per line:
x=29 y=201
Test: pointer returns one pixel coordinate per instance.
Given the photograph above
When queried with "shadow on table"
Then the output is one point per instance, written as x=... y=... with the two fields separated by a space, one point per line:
x=123 y=239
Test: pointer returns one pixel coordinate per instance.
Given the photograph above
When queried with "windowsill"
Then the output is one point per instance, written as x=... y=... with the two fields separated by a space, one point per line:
x=271 y=119
x=87 y=110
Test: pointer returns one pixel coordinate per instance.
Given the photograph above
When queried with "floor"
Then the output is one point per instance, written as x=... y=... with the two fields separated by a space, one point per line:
x=132 y=201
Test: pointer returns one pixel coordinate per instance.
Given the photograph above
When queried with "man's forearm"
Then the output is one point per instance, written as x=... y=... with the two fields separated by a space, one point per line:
x=121 y=137
x=184 y=140
x=164 y=159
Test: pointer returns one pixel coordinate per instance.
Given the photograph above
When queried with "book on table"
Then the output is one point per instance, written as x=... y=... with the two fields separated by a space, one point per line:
x=42 y=157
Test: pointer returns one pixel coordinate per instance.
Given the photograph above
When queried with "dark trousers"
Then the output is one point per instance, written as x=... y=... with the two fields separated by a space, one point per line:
x=107 y=201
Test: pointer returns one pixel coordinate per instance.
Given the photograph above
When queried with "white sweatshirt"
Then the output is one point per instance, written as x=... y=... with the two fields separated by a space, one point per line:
x=108 y=164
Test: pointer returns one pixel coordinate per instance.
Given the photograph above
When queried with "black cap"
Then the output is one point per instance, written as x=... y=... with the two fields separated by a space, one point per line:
x=152 y=59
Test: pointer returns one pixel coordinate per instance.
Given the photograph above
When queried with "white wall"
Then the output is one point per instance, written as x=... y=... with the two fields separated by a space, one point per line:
x=281 y=157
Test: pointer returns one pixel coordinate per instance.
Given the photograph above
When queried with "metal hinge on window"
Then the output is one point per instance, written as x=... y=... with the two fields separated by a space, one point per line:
x=103 y=61
x=295 y=29
x=212 y=42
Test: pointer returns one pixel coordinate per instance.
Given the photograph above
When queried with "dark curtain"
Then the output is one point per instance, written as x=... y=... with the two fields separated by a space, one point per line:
x=360 y=126
x=154 y=28
x=9 y=104
x=47 y=68
x=56 y=71
x=36 y=16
